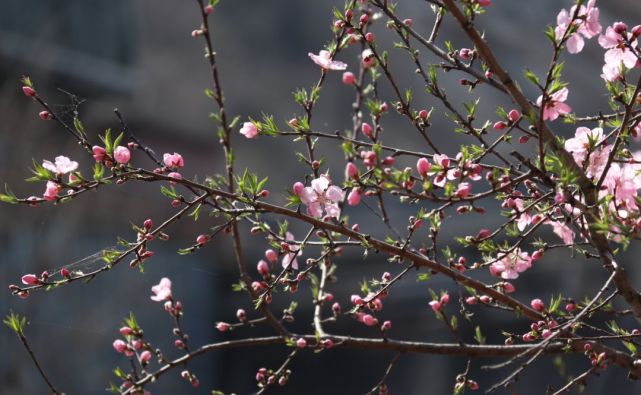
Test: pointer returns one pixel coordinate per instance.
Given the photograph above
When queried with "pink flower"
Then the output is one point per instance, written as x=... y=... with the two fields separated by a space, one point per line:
x=63 y=165
x=174 y=160
x=322 y=196
x=368 y=59
x=28 y=91
x=354 y=197
x=618 y=52
x=586 y=141
x=301 y=343
x=510 y=265
x=463 y=190
x=99 y=153
x=271 y=256
x=537 y=304
x=249 y=130
x=30 y=279
x=145 y=357
x=122 y=155
x=555 y=106
x=368 y=320
x=349 y=78
x=175 y=175
x=222 y=326
x=588 y=25
x=162 y=291
x=290 y=257
x=51 y=191
x=436 y=306
x=323 y=59
x=126 y=331
x=423 y=166
x=119 y=345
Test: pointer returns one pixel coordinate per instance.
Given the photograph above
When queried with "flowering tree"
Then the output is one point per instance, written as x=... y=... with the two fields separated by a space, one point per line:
x=582 y=189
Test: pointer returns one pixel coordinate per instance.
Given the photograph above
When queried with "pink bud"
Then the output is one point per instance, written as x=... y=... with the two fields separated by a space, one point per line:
x=30 y=279
x=485 y=299
x=436 y=305
x=28 y=91
x=271 y=256
x=301 y=343
x=298 y=188
x=119 y=345
x=465 y=53
x=126 y=331
x=249 y=130
x=209 y=9
x=423 y=166
x=174 y=175
x=137 y=344
x=328 y=297
x=514 y=115
x=620 y=27
x=570 y=307
x=194 y=382
x=122 y=154
x=64 y=272
x=508 y=287
x=383 y=107
x=538 y=254
x=408 y=22
x=537 y=304
x=369 y=320
x=387 y=325
x=369 y=37
x=523 y=139
x=473 y=385
x=263 y=268
x=196 y=33
x=327 y=343
x=354 y=197
x=148 y=224
x=366 y=128
x=357 y=300
x=336 y=308
x=500 y=125
x=484 y=3
x=145 y=357
x=174 y=160
x=351 y=171
x=445 y=299
x=546 y=333
x=483 y=233
x=471 y=300
x=45 y=115
x=99 y=153
x=241 y=315
x=349 y=78
x=423 y=114
x=364 y=19
x=222 y=326
x=202 y=239
x=463 y=190
x=489 y=75
x=636 y=31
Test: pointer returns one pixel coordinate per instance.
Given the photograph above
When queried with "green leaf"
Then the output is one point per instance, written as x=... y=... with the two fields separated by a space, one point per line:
x=478 y=336
x=16 y=323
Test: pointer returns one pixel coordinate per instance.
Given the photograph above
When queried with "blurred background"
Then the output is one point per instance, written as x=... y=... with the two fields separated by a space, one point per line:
x=138 y=56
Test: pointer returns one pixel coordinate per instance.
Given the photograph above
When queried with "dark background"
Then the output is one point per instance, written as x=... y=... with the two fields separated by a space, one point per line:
x=139 y=56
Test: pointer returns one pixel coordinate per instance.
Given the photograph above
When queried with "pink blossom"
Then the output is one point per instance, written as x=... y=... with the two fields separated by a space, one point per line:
x=301 y=343
x=30 y=279
x=366 y=128
x=351 y=171
x=555 y=106
x=436 y=305
x=119 y=345
x=122 y=155
x=588 y=25
x=99 y=153
x=368 y=320
x=62 y=165
x=45 y=115
x=622 y=182
x=586 y=141
x=126 y=331
x=28 y=91
x=145 y=357
x=423 y=166
x=324 y=60
x=222 y=326
x=562 y=230
x=322 y=196
x=51 y=191
x=289 y=259
x=510 y=265
x=174 y=160
x=618 y=52
x=514 y=115
x=368 y=59
x=369 y=158
x=249 y=130
x=463 y=190
x=175 y=175
x=354 y=197
x=271 y=256
x=263 y=268
x=202 y=239
x=162 y=291
x=537 y=304
x=349 y=78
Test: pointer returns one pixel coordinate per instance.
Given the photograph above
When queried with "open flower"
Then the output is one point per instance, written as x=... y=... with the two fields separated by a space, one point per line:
x=322 y=196
x=174 y=160
x=555 y=106
x=62 y=165
x=324 y=60
x=510 y=265
x=587 y=21
x=162 y=291
x=290 y=257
